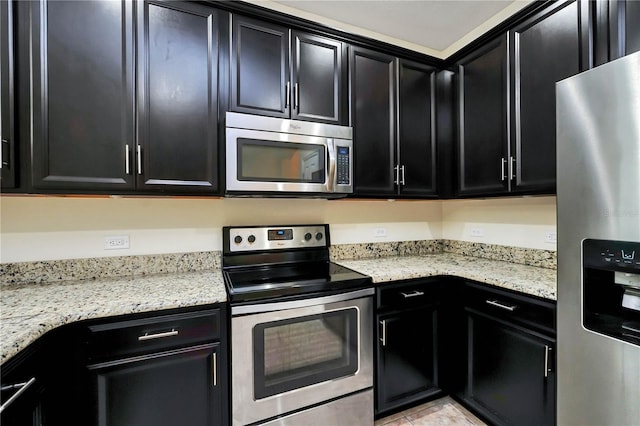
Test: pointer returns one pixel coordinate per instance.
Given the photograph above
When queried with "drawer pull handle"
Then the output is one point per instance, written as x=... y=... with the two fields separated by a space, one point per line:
x=547 y=370
x=214 y=362
x=22 y=388
x=148 y=336
x=412 y=294
x=497 y=304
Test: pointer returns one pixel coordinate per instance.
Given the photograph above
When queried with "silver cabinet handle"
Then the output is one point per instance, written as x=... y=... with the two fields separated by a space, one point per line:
x=402 y=180
x=148 y=336
x=396 y=169
x=547 y=370
x=504 y=175
x=287 y=95
x=127 y=159
x=415 y=293
x=139 y=153
x=383 y=339
x=22 y=388
x=512 y=168
x=296 y=96
x=4 y=161
x=497 y=304
x=214 y=365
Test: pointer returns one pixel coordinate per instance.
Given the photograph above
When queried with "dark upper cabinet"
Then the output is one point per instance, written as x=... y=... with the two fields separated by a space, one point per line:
x=265 y=79
x=545 y=49
x=83 y=103
x=506 y=112
x=372 y=77
x=631 y=26
x=617 y=29
x=177 y=55
x=7 y=105
x=317 y=79
x=416 y=129
x=482 y=148
x=260 y=73
x=94 y=128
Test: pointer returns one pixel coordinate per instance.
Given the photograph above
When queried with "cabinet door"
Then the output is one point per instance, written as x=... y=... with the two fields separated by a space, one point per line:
x=318 y=79
x=624 y=25
x=7 y=106
x=178 y=388
x=545 y=50
x=631 y=26
x=82 y=80
x=416 y=129
x=482 y=121
x=260 y=75
x=373 y=118
x=407 y=361
x=510 y=377
x=177 y=97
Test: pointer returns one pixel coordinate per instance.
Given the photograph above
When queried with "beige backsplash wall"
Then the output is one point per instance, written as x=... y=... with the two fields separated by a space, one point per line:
x=49 y=228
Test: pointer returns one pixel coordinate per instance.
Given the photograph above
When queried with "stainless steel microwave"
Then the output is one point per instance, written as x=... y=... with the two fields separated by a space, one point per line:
x=274 y=156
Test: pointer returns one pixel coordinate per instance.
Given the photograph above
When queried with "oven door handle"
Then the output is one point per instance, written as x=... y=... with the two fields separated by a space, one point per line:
x=302 y=303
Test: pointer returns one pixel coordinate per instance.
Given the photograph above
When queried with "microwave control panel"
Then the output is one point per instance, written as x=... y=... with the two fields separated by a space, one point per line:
x=343 y=166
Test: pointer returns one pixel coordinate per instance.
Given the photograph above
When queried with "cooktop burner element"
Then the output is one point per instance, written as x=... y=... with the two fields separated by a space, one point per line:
x=283 y=262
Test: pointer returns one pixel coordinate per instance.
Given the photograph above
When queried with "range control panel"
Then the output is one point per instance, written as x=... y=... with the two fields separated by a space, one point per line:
x=611 y=255
x=248 y=239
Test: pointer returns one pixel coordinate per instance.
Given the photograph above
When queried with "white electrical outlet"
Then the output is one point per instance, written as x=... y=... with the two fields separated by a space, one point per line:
x=477 y=232
x=380 y=232
x=550 y=237
x=119 y=242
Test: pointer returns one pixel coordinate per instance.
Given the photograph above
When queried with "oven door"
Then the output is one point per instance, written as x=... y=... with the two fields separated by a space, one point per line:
x=291 y=355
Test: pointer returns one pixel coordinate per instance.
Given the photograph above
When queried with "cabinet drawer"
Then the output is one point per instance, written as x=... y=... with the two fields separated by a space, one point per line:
x=145 y=335
x=520 y=309
x=410 y=293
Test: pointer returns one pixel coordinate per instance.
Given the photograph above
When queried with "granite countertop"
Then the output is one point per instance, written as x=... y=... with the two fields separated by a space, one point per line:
x=531 y=280
x=27 y=311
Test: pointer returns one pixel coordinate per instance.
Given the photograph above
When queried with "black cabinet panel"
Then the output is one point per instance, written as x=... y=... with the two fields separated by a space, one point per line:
x=373 y=110
x=631 y=26
x=407 y=356
x=7 y=105
x=83 y=81
x=170 y=388
x=317 y=78
x=545 y=50
x=510 y=378
x=177 y=97
x=259 y=68
x=417 y=141
x=482 y=120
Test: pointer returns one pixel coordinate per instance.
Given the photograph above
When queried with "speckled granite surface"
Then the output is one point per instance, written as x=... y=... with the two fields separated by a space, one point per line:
x=531 y=280
x=524 y=256
x=103 y=267
x=27 y=311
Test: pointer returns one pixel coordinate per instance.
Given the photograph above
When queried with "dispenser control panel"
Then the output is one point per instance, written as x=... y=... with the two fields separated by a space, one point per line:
x=611 y=255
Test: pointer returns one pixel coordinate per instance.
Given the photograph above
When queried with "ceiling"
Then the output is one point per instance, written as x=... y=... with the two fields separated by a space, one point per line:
x=435 y=27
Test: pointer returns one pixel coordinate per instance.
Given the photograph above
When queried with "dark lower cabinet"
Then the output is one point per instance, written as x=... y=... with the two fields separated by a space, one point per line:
x=407 y=344
x=510 y=378
x=178 y=387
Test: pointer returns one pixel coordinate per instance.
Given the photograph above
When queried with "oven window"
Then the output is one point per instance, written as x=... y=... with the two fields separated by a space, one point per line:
x=299 y=352
x=272 y=161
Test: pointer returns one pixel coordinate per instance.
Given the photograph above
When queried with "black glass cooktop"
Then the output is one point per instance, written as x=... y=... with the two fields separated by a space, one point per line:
x=290 y=280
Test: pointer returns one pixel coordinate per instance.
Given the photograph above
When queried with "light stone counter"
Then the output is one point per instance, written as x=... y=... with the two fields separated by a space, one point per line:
x=531 y=280
x=27 y=311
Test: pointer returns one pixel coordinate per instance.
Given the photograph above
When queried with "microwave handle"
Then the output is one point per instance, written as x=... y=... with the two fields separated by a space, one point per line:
x=331 y=150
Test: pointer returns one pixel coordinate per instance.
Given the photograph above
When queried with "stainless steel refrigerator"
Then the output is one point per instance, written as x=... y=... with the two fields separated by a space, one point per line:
x=598 y=348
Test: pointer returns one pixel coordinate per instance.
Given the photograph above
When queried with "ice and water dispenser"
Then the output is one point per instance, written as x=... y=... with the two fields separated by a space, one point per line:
x=611 y=288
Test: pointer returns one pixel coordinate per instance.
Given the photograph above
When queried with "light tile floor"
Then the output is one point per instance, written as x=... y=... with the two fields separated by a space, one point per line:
x=440 y=412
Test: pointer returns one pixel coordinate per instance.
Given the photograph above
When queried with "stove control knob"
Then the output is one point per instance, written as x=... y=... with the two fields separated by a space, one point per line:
x=319 y=236
x=252 y=238
x=237 y=239
x=307 y=236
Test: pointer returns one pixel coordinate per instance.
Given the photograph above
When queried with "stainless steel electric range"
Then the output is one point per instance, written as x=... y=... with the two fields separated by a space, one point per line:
x=301 y=329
